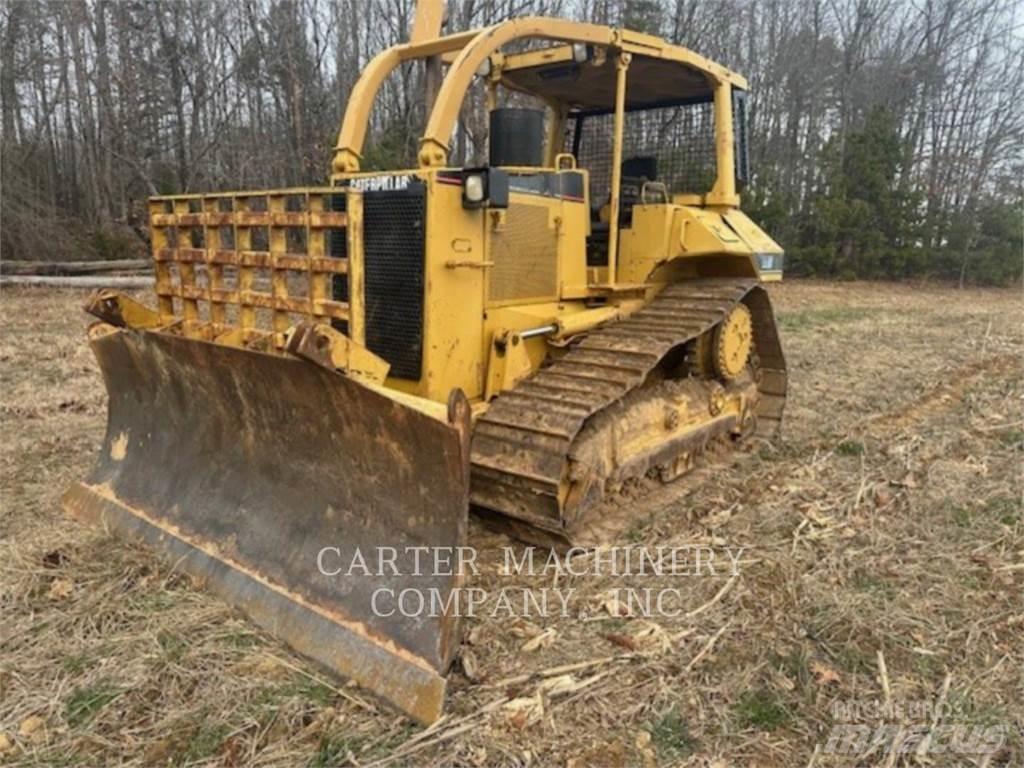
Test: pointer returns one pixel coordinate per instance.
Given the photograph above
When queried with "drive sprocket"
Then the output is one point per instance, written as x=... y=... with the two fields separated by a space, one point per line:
x=733 y=340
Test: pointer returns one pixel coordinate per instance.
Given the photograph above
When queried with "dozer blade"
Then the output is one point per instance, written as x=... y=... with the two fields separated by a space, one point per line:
x=244 y=466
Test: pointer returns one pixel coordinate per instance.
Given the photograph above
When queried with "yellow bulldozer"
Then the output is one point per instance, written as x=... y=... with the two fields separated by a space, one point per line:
x=350 y=368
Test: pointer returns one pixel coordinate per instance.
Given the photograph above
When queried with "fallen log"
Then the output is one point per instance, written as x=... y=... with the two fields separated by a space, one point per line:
x=24 y=267
x=67 y=281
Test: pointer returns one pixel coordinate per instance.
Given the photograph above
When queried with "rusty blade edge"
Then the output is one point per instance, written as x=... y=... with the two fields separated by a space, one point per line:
x=105 y=493
x=411 y=687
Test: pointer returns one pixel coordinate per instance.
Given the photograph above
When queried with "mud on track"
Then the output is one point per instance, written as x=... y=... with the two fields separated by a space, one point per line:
x=885 y=527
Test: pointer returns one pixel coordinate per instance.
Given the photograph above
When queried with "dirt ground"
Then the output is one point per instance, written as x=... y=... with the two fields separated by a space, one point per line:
x=883 y=563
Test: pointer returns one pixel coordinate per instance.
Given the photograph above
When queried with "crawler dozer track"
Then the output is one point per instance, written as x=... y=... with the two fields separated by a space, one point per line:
x=526 y=447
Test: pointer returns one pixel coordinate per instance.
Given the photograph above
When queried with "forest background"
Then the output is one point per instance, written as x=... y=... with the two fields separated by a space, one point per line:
x=886 y=135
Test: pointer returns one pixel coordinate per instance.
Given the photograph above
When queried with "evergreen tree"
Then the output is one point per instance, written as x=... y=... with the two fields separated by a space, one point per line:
x=863 y=223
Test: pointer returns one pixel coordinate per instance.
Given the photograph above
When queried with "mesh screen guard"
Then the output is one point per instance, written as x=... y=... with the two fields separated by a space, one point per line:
x=680 y=138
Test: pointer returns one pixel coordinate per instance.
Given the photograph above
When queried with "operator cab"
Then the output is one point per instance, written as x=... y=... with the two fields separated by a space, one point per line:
x=668 y=150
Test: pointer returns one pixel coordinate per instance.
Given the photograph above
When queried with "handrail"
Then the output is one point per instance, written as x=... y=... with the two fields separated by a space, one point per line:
x=352 y=135
x=434 y=144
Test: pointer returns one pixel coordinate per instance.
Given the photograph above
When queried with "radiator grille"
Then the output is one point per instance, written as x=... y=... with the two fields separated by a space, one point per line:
x=394 y=224
x=525 y=256
x=337 y=245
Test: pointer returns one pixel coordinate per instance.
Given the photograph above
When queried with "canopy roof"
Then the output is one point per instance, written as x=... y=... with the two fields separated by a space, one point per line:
x=589 y=87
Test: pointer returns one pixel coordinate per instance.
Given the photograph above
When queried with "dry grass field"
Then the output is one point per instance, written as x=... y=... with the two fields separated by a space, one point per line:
x=883 y=562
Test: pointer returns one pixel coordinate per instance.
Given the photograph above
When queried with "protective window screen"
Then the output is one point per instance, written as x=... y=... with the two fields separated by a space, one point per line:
x=681 y=140
x=739 y=131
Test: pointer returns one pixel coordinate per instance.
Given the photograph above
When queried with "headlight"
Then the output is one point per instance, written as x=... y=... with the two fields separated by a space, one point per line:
x=484 y=187
x=475 y=188
x=770 y=262
x=579 y=52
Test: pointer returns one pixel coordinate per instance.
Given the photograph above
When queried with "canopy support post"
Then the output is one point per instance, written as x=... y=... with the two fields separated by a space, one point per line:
x=621 y=69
